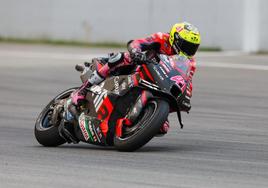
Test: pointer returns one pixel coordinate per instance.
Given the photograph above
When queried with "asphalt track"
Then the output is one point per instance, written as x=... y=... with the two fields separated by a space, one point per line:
x=224 y=143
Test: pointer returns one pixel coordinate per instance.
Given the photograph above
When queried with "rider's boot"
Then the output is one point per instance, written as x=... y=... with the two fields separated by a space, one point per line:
x=78 y=98
x=163 y=129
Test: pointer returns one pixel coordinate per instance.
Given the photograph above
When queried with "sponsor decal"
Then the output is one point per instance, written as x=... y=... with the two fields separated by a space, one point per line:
x=116 y=85
x=99 y=133
x=165 y=67
x=92 y=133
x=179 y=28
x=101 y=94
x=158 y=73
x=89 y=129
x=96 y=89
x=164 y=72
x=149 y=84
x=83 y=127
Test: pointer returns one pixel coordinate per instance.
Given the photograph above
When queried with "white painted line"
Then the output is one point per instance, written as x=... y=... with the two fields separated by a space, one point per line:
x=220 y=54
x=68 y=56
x=47 y=55
x=232 y=66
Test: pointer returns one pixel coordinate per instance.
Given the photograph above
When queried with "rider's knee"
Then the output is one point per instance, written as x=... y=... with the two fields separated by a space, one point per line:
x=115 y=59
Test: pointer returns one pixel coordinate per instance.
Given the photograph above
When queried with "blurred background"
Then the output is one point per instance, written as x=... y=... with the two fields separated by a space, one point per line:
x=225 y=139
x=239 y=25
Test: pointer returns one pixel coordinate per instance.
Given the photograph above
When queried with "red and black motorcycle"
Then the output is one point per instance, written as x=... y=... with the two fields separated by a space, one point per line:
x=126 y=110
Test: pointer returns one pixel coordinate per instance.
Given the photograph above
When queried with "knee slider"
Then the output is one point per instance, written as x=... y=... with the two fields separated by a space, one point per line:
x=115 y=59
x=95 y=78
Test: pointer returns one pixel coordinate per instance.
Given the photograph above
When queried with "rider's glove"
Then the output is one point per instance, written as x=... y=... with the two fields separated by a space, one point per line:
x=138 y=57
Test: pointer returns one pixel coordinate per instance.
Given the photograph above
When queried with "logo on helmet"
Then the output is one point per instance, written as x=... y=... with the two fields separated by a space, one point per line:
x=179 y=29
x=190 y=27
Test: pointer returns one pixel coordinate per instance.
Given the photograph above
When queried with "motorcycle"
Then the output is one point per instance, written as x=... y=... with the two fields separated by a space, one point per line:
x=126 y=110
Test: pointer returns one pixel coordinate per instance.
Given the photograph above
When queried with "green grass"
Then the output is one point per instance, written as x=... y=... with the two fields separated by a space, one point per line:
x=210 y=49
x=63 y=42
x=262 y=53
x=81 y=44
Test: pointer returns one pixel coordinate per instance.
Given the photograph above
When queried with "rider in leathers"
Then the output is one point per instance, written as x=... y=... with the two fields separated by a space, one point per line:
x=183 y=39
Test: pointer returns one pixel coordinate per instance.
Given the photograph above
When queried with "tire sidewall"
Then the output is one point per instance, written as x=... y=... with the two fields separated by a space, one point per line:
x=148 y=131
x=49 y=136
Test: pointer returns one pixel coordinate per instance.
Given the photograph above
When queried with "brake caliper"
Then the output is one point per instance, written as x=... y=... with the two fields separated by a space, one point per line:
x=133 y=113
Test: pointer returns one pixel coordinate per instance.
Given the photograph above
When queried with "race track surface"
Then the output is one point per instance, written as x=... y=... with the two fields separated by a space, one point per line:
x=224 y=143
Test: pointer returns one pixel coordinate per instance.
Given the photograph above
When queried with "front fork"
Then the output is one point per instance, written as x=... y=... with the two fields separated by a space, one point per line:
x=133 y=113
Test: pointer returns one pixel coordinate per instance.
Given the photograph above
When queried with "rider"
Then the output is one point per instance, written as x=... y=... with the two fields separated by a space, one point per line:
x=183 y=39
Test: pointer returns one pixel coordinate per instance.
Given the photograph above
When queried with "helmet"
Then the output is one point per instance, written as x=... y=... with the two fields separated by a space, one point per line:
x=185 y=38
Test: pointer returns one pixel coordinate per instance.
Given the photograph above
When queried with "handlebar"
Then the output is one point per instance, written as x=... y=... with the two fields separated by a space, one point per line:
x=79 y=68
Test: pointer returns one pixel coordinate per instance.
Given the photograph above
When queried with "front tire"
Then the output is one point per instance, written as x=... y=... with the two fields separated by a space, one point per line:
x=46 y=133
x=151 y=119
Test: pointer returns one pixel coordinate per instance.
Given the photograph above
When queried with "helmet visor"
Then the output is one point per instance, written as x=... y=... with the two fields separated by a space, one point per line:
x=186 y=47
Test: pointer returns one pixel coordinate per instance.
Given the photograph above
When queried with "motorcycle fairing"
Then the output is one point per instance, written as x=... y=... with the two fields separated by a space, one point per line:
x=113 y=99
x=90 y=130
x=105 y=100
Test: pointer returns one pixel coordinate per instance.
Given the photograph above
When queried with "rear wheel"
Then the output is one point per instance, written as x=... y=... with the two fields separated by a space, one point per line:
x=46 y=132
x=147 y=126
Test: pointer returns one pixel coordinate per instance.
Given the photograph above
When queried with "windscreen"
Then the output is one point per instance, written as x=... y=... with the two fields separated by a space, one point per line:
x=180 y=62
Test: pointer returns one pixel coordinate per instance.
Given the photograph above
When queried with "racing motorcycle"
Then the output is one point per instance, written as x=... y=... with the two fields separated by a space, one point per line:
x=128 y=107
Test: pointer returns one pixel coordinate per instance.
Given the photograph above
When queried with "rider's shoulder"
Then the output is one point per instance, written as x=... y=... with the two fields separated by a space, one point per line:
x=160 y=36
x=192 y=61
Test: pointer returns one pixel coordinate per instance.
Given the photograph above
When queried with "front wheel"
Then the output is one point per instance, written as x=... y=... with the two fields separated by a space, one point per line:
x=151 y=119
x=46 y=133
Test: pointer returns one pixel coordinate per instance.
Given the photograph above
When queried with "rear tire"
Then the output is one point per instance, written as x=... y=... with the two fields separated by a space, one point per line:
x=152 y=118
x=47 y=134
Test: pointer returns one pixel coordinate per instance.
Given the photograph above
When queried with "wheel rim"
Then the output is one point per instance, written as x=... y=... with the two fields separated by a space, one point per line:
x=142 y=122
x=46 y=124
x=46 y=118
